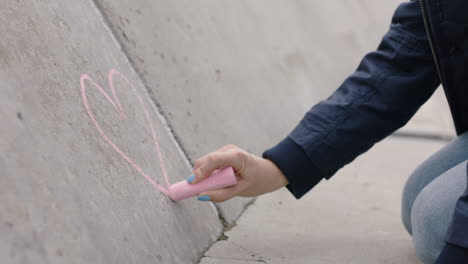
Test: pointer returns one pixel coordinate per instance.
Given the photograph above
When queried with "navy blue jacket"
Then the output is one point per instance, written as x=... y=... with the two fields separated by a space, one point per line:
x=426 y=45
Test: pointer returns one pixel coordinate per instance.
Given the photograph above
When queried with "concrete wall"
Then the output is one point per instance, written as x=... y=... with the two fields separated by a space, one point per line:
x=209 y=72
x=242 y=72
x=66 y=195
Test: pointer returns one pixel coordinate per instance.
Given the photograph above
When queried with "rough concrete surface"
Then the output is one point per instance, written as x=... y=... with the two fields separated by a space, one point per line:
x=66 y=195
x=243 y=72
x=352 y=218
x=209 y=73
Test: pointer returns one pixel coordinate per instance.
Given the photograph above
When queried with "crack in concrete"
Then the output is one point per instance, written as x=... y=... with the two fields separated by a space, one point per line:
x=256 y=260
x=162 y=114
x=245 y=249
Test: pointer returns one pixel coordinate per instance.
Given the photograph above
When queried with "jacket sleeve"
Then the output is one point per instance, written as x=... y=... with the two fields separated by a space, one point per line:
x=384 y=92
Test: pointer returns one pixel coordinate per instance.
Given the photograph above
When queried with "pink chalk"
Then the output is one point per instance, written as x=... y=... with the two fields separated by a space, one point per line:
x=220 y=178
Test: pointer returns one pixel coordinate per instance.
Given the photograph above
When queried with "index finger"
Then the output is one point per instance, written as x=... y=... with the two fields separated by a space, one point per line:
x=216 y=161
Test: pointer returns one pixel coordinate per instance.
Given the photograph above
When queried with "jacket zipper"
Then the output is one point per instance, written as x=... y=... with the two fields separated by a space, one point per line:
x=429 y=36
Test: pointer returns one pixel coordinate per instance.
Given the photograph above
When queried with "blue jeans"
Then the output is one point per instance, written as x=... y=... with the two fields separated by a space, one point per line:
x=430 y=194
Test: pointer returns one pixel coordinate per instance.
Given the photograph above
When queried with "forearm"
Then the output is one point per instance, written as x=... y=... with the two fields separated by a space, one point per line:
x=388 y=87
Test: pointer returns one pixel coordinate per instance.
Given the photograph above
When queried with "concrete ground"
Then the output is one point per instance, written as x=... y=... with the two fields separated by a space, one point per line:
x=352 y=218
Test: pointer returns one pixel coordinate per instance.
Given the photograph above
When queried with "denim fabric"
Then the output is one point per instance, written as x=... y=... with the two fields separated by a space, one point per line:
x=450 y=155
x=432 y=212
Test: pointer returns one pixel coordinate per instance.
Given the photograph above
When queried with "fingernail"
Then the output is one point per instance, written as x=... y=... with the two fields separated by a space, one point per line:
x=191 y=178
x=204 y=198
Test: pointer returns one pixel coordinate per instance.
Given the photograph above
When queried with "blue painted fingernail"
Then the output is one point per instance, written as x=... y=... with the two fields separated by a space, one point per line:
x=191 y=178
x=204 y=198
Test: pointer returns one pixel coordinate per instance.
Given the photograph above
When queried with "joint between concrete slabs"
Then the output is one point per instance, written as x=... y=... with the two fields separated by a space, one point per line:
x=240 y=259
x=226 y=227
x=163 y=117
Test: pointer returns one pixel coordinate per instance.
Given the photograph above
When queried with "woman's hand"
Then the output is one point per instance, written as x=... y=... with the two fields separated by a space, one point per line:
x=255 y=175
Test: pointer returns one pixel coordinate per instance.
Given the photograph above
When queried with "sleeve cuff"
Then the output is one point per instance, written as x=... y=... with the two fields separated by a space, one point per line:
x=301 y=173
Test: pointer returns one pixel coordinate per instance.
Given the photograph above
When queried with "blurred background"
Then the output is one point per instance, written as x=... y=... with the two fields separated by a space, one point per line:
x=210 y=73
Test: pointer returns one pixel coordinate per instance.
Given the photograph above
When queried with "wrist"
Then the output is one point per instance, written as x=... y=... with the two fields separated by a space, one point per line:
x=275 y=173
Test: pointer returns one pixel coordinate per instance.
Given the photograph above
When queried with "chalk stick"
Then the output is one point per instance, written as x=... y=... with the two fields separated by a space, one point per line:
x=220 y=178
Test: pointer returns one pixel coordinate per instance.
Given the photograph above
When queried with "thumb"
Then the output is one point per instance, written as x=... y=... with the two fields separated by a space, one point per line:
x=223 y=194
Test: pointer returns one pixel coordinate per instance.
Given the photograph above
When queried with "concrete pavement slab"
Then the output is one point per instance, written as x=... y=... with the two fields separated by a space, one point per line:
x=67 y=195
x=352 y=218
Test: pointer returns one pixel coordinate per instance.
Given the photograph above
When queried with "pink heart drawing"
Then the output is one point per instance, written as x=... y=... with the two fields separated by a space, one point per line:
x=118 y=107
